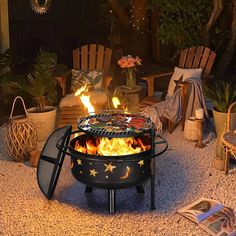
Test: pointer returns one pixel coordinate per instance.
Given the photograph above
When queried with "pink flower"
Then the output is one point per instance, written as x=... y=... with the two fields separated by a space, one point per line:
x=129 y=62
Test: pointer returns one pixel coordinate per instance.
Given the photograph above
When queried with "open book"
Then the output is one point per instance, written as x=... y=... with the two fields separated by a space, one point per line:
x=212 y=216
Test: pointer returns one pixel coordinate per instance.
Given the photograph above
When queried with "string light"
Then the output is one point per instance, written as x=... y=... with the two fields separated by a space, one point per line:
x=138 y=24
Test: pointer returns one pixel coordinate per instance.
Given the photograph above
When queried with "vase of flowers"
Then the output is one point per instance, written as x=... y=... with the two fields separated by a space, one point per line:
x=129 y=65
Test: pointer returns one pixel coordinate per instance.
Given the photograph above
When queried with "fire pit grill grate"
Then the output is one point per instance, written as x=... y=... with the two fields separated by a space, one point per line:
x=111 y=130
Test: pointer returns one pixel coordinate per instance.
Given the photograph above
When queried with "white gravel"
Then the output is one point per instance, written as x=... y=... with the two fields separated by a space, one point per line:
x=183 y=174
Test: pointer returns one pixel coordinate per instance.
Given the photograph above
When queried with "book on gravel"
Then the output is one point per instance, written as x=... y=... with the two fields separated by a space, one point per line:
x=212 y=216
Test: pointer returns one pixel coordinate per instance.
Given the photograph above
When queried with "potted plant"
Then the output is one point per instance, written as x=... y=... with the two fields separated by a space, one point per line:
x=41 y=85
x=222 y=95
x=8 y=75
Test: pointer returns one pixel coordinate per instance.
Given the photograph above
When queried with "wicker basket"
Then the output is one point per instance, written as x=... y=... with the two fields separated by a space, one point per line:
x=20 y=135
x=191 y=130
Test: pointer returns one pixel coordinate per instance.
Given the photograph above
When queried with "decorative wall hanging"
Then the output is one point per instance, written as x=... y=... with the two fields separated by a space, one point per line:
x=40 y=6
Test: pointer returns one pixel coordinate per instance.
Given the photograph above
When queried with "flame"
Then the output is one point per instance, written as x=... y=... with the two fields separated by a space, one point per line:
x=104 y=146
x=82 y=90
x=85 y=98
x=118 y=105
x=116 y=102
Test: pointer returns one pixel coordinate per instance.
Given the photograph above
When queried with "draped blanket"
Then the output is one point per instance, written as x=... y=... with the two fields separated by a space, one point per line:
x=171 y=107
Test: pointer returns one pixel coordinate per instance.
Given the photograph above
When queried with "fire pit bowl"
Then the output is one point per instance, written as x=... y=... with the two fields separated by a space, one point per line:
x=109 y=172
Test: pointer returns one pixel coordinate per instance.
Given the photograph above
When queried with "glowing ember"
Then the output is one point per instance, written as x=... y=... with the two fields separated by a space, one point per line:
x=85 y=98
x=112 y=147
x=116 y=102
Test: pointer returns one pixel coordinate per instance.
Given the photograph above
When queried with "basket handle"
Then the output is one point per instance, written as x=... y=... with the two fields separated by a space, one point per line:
x=228 y=115
x=13 y=106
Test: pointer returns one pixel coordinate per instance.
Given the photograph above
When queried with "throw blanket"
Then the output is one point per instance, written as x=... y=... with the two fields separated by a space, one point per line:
x=171 y=107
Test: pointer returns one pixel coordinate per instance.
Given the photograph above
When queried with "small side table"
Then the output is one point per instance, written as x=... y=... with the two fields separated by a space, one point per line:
x=132 y=96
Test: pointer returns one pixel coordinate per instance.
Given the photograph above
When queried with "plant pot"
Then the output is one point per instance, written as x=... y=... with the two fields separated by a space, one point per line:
x=220 y=118
x=219 y=164
x=44 y=121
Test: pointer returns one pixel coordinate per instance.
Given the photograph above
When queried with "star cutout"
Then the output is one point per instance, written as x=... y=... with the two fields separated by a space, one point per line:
x=109 y=167
x=141 y=163
x=93 y=172
x=79 y=162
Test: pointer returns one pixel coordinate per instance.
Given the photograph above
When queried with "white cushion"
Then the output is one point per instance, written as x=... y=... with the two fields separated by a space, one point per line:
x=186 y=73
x=192 y=73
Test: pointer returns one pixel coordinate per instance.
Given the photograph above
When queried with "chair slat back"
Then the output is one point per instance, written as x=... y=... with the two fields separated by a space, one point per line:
x=92 y=57
x=84 y=57
x=197 y=57
x=100 y=57
x=190 y=57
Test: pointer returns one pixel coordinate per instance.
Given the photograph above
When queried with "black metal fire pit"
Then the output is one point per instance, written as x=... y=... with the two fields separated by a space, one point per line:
x=95 y=168
x=109 y=172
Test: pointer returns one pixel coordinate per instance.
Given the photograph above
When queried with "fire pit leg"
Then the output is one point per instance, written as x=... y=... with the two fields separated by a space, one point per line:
x=112 y=200
x=153 y=207
x=140 y=188
x=88 y=189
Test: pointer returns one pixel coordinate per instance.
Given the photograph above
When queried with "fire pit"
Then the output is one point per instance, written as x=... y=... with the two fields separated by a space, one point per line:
x=109 y=151
x=114 y=151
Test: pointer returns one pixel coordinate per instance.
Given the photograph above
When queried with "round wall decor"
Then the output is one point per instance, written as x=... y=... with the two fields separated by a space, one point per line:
x=40 y=6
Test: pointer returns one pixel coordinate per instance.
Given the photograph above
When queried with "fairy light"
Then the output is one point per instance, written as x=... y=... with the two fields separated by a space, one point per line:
x=137 y=24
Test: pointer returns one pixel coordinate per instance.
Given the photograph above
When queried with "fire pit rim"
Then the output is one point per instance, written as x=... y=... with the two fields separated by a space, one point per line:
x=132 y=157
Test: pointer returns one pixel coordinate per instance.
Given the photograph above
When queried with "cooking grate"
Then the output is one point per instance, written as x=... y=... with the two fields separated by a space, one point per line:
x=115 y=125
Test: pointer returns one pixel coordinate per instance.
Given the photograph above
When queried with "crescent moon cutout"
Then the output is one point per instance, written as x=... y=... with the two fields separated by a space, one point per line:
x=126 y=174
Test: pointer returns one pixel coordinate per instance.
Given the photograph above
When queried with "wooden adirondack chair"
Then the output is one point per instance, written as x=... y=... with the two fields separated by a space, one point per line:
x=87 y=57
x=194 y=57
x=91 y=57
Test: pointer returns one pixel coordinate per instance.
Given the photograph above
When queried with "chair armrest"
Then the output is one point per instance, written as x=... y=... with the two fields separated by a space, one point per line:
x=208 y=77
x=107 y=81
x=150 y=81
x=62 y=83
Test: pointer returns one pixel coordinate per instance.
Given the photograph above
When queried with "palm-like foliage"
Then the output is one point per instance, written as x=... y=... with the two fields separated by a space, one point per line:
x=221 y=93
x=41 y=83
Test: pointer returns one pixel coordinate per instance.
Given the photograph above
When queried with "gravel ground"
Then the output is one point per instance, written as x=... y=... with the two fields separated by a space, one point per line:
x=183 y=174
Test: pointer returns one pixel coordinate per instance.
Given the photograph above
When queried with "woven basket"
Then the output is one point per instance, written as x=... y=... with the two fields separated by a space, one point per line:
x=20 y=135
x=191 y=130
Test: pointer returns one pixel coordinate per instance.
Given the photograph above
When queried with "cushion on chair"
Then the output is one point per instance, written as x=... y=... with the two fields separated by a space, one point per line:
x=186 y=73
x=82 y=77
